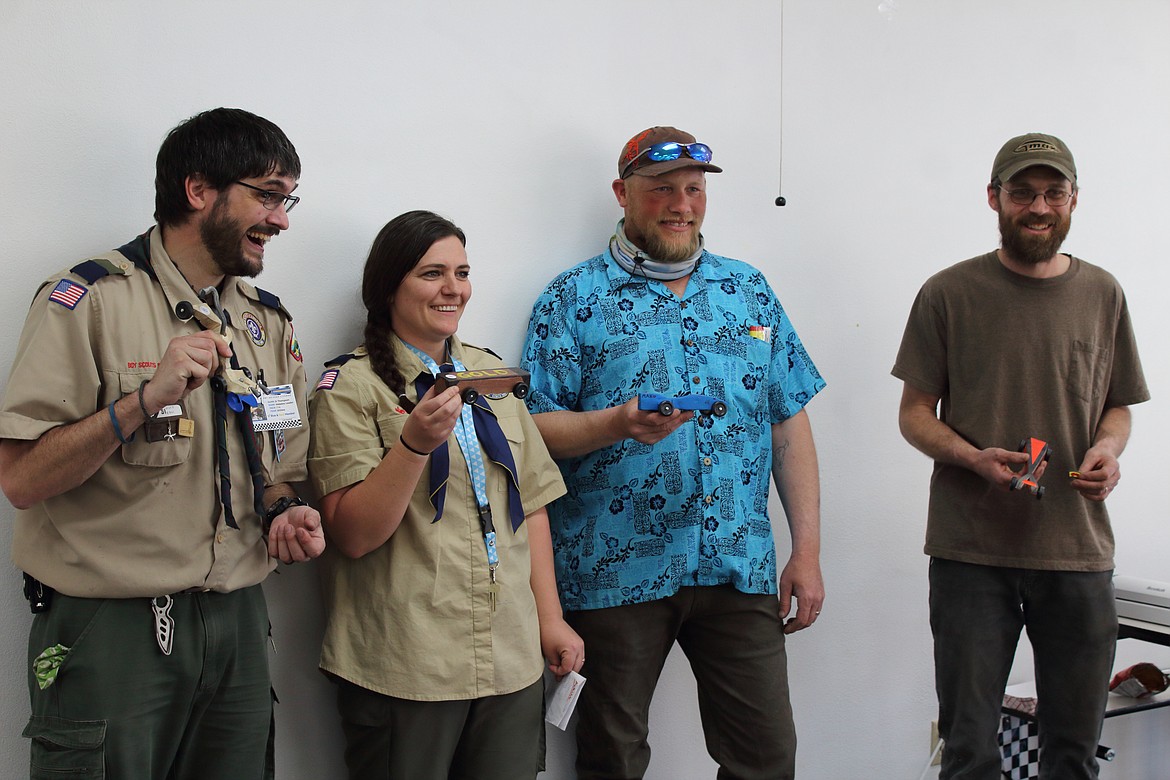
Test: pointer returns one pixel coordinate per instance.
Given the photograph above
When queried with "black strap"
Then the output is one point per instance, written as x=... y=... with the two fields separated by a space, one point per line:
x=223 y=458
x=39 y=595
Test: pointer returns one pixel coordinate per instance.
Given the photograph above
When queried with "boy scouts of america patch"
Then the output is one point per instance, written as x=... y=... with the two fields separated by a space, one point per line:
x=68 y=294
x=255 y=329
x=294 y=348
x=328 y=379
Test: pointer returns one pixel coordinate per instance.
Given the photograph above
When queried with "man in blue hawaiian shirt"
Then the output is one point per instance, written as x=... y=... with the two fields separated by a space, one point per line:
x=664 y=535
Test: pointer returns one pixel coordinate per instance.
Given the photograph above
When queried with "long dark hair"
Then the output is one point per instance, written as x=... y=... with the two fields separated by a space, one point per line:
x=396 y=250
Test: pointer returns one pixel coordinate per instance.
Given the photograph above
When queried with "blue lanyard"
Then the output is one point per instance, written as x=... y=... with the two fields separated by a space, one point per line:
x=473 y=457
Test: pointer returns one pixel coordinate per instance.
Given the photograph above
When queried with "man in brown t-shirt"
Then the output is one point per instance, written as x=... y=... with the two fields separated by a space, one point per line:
x=1019 y=343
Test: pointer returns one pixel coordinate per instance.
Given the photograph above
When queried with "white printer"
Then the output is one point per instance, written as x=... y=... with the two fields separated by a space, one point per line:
x=1146 y=601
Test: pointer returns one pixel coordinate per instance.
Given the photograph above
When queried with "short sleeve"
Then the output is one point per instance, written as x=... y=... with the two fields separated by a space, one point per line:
x=56 y=375
x=345 y=442
x=793 y=377
x=922 y=356
x=1127 y=381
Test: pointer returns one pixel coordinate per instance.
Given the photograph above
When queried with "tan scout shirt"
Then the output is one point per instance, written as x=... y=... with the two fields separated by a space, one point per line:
x=149 y=522
x=412 y=618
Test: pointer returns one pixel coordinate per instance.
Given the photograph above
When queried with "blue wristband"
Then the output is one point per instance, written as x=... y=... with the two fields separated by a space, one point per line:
x=118 y=428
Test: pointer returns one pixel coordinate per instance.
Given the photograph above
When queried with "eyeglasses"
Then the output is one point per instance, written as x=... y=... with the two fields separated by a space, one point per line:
x=270 y=199
x=668 y=150
x=1028 y=197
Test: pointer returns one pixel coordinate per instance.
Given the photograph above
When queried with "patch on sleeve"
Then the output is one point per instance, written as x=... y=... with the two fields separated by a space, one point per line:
x=68 y=293
x=294 y=347
x=328 y=379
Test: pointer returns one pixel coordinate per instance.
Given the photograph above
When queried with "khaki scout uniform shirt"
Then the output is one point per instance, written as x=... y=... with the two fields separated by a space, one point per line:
x=149 y=522
x=412 y=619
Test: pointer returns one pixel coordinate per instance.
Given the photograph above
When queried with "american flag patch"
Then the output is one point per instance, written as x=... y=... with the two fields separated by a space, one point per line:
x=68 y=293
x=328 y=379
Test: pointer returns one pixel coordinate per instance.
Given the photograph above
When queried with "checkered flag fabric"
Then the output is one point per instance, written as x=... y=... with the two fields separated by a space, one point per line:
x=1019 y=742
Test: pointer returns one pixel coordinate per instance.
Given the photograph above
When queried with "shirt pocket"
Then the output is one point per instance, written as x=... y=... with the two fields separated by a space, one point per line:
x=746 y=380
x=140 y=452
x=390 y=429
x=514 y=432
x=1087 y=370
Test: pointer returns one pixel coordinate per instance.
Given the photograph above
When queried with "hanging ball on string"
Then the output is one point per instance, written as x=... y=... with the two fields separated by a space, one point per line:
x=781 y=202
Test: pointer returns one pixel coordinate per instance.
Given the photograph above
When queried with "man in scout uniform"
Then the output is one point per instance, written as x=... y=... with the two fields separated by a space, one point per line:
x=153 y=501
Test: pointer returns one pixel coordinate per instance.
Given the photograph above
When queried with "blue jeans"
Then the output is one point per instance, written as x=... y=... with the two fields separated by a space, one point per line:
x=735 y=644
x=976 y=613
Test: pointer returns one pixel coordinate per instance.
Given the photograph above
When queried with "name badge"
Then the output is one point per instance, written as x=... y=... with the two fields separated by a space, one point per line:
x=277 y=410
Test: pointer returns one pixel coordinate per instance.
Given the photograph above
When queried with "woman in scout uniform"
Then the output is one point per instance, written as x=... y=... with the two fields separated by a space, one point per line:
x=440 y=593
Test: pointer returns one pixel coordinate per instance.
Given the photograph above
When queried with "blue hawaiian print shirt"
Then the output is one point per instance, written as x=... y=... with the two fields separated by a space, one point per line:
x=640 y=521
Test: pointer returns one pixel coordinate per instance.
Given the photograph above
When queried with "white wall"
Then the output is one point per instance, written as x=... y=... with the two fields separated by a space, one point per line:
x=508 y=117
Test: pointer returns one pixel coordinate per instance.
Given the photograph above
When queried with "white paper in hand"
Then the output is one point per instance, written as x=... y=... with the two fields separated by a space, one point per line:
x=564 y=700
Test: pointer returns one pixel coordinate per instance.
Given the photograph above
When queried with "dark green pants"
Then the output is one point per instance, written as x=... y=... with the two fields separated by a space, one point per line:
x=493 y=738
x=122 y=710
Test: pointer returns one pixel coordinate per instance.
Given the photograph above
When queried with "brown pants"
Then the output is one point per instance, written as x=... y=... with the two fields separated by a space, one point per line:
x=735 y=644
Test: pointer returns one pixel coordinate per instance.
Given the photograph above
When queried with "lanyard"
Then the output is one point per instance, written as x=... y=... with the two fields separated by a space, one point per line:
x=473 y=457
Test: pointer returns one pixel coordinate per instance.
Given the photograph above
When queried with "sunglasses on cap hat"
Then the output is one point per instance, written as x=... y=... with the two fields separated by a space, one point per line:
x=666 y=151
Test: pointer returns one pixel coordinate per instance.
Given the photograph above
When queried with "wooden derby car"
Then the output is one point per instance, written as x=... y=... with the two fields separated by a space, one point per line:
x=485 y=381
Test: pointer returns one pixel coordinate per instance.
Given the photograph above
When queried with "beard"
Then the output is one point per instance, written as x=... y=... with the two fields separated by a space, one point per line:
x=671 y=251
x=1027 y=248
x=664 y=250
x=224 y=239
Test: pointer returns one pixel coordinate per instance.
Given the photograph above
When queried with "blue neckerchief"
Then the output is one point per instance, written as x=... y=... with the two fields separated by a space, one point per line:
x=491 y=437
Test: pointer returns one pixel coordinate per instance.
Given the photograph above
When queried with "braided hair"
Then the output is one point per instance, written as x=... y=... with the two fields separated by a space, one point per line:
x=396 y=250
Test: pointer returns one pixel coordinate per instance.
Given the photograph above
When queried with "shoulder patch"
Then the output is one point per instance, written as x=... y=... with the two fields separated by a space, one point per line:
x=328 y=379
x=294 y=346
x=333 y=371
x=68 y=293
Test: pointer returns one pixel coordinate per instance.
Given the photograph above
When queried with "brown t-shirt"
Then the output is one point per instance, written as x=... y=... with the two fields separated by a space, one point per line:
x=1014 y=357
